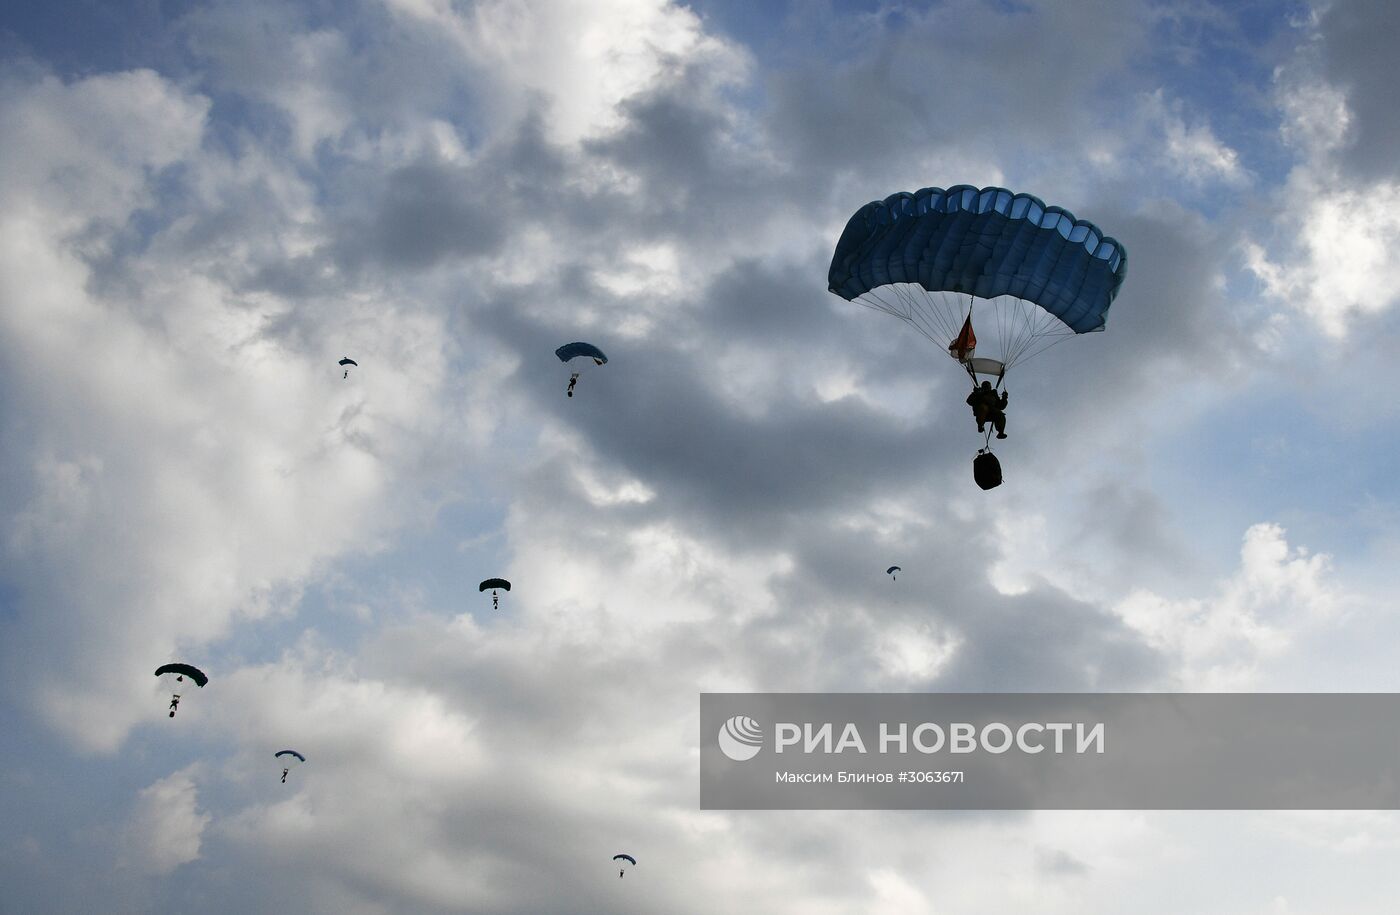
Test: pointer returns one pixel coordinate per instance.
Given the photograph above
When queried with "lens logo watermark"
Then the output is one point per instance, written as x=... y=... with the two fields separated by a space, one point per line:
x=741 y=738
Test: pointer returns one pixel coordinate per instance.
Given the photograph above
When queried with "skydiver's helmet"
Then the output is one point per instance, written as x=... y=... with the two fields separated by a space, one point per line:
x=986 y=384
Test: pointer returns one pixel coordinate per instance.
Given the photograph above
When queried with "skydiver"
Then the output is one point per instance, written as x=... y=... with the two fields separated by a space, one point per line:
x=346 y=375
x=620 y=872
x=988 y=406
x=573 y=380
x=495 y=597
x=284 y=775
x=174 y=703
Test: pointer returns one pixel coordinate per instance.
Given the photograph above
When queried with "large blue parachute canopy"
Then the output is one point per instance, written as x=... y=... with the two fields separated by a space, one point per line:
x=625 y=858
x=280 y=753
x=924 y=257
x=574 y=350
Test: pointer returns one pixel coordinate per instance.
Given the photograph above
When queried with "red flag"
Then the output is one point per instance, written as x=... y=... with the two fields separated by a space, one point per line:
x=965 y=345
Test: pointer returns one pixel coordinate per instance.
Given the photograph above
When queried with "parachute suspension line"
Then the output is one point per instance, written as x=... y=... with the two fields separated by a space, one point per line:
x=1045 y=331
x=924 y=316
x=873 y=299
x=1025 y=331
x=939 y=313
x=1022 y=331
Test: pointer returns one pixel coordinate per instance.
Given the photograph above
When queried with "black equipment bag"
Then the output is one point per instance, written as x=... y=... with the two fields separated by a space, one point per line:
x=986 y=470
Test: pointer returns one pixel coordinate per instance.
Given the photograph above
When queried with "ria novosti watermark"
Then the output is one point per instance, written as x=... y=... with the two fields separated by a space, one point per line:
x=1050 y=751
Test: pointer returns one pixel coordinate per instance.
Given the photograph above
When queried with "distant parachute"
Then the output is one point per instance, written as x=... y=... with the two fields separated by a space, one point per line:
x=344 y=363
x=174 y=674
x=893 y=569
x=573 y=350
x=290 y=756
x=494 y=584
x=1039 y=274
x=570 y=351
x=183 y=670
x=628 y=858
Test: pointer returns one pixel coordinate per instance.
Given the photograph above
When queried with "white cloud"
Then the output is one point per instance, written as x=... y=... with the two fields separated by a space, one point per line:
x=1191 y=149
x=191 y=464
x=1221 y=642
x=584 y=57
x=1341 y=264
x=1330 y=255
x=166 y=827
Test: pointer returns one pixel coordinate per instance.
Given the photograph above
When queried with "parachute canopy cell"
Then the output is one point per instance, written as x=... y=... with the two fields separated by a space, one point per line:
x=625 y=858
x=290 y=753
x=348 y=361
x=494 y=583
x=984 y=243
x=184 y=670
x=574 y=350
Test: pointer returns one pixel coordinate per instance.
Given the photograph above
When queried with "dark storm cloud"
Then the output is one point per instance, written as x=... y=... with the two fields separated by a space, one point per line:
x=654 y=410
x=1358 y=53
x=425 y=213
x=1039 y=640
x=961 y=75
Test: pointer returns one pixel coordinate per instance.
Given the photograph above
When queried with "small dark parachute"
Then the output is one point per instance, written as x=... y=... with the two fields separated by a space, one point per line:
x=579 y=350
x=345 y=363
x=183 y=670
x=174 y=674
x=893 y=569
x=289 y=759
x=496 y=585
x=628 y=858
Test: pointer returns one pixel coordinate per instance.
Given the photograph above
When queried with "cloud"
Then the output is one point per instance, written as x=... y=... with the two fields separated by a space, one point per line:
x=188 y=463
x=166 y=826
x=447 y=193
x=1192 y=150
x=582 y=59
x=1221 y=642
x=1329 y=254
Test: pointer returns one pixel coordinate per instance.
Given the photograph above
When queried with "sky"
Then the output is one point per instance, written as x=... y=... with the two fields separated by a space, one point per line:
x=204 y=206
